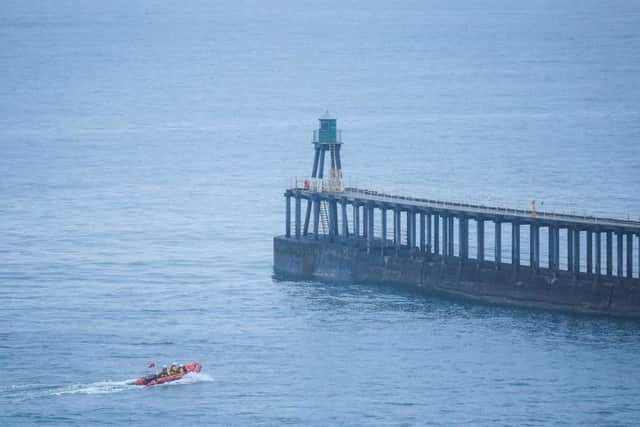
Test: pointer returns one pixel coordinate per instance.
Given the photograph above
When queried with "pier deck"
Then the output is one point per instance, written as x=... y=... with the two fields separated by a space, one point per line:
x=481 y=210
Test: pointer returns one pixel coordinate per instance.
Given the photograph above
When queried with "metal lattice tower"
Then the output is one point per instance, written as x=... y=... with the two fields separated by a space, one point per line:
x=326 y=139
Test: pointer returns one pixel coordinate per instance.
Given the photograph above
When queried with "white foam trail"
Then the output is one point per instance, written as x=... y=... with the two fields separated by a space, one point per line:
x=32 y=391
x=100 y=387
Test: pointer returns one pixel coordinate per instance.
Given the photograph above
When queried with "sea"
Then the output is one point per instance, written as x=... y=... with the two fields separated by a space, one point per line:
x=144 y=151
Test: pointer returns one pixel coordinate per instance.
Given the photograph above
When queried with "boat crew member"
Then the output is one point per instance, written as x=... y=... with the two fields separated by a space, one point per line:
x=164 y=372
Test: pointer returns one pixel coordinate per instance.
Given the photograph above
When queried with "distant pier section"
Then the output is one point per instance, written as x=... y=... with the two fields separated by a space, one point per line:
x=518 y=257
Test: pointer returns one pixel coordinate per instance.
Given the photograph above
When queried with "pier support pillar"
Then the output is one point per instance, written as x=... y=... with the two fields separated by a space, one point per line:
x=396 y=229
x=463 y=224
x=515 y=259
x=556 y=250
x=345 y=220
x=515 y=245
x=356 y=221
x=534 y=246
x=576 y=251
x=316 y=217
x=436 y=233
x=287 y=220
x=532 y=243
x=451 y=240
x=570 y=245
x=411 y=230
x=383 y=214
x=298 y=217
x=480 y=236
x=369 y=227
x=334 y=212
x=445 y=235
x=609 y=253
x=589 y=252
x=333 y=220
x=598 y=251
x=629 y=255
x=498 y=243
x=550 y=240
x=365 y=212
x=307 y=216
x=619 y=238
x=428 y=249
x=422 y=232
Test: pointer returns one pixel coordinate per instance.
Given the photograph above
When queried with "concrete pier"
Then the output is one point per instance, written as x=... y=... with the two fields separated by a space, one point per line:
x=423 y=236
x=594 y=254
x=437 y=233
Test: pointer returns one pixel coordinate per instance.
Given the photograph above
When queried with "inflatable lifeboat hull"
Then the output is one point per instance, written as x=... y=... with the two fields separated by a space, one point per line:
x=151 y=380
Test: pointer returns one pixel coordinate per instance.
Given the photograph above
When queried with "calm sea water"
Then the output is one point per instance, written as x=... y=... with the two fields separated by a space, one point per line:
x=145 y=148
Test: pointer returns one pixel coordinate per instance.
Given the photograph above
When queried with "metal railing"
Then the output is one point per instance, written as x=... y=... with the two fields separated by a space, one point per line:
x=327 y=186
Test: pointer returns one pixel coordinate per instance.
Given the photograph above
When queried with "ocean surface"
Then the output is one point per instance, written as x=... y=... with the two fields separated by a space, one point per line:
x=144 y=150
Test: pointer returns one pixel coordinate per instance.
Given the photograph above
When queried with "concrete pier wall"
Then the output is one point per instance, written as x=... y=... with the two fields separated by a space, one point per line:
x=490 y=282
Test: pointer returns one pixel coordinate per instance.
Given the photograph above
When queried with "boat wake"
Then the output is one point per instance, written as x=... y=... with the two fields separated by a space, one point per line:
x=34 y=391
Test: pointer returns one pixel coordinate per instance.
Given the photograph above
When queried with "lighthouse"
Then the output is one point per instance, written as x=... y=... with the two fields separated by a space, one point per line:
x=326 y=139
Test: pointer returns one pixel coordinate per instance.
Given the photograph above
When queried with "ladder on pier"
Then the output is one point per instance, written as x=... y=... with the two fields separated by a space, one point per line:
x=324 y=218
